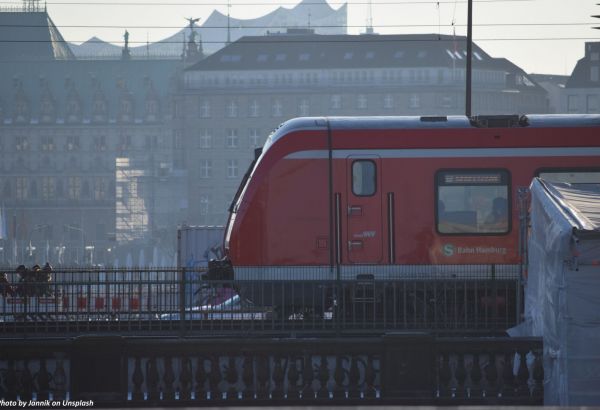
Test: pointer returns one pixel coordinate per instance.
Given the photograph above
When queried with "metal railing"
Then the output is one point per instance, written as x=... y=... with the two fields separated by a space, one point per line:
x=75 y=301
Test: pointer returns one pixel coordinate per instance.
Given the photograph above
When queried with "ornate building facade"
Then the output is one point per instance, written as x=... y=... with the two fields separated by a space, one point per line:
x=90 y=162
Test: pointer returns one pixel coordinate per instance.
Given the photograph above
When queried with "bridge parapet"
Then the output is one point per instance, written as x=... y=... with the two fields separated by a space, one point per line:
x=401 y=368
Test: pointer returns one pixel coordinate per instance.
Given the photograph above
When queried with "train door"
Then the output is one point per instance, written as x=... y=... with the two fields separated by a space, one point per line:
x=364 y=234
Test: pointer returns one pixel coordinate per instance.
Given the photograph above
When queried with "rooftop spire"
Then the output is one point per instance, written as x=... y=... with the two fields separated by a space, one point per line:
x=125 y=53
x=369 y=29
x=193 y=52
x=228 y=23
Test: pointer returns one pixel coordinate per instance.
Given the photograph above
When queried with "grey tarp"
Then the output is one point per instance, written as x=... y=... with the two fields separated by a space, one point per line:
x=562 y=292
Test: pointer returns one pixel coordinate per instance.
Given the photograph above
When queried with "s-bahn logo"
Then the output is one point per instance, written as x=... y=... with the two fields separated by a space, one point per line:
x=449 y=249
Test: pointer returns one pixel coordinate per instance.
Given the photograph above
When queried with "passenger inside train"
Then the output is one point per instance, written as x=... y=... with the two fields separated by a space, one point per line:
x=497 y=220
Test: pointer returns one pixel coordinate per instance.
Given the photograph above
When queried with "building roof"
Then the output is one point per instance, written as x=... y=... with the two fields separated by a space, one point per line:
x=581 y=75
x=313 y=51
x=555 y=79
x=31 y=36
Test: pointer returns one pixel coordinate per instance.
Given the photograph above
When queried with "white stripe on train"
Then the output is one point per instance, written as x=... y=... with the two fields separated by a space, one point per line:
x=451 y=153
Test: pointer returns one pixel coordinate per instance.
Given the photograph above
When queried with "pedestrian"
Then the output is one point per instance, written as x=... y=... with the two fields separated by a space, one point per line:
x=23 y=285
x=5 y=288
x=36 y=279
x=46 y=279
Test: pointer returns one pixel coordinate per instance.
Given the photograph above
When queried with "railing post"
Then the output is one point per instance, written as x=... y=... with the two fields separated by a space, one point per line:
x=494 y=296
x=182 y=277
x=407 y=366
x=98 y=367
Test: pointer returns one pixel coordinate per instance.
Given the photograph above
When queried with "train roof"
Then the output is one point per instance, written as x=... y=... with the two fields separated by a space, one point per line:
x=420 y=122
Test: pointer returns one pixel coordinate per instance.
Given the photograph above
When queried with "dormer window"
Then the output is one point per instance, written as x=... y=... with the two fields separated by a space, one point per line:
x=151 y=109
x=73 y=109
x=594 y=73
x=99 y=106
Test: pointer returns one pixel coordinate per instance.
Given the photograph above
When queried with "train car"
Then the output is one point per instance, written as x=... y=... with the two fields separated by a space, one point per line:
x=390 y=197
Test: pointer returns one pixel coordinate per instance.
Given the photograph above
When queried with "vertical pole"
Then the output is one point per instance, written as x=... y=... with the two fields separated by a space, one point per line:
x=332 y=232
x=181 y=276
x=82 y=239
x=469 y=57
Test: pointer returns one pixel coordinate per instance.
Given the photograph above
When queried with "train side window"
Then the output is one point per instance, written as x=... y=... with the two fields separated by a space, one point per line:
x=572 y=176
x=473 y=202
x=364 y=178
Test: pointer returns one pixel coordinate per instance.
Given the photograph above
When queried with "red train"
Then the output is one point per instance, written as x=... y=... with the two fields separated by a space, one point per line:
x=395 y=196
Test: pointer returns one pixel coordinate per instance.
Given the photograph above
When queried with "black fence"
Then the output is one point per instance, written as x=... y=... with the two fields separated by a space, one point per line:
x=164 y=301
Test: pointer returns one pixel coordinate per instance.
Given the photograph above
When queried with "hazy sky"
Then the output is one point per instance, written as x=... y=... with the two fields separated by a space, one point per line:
x=537 y=27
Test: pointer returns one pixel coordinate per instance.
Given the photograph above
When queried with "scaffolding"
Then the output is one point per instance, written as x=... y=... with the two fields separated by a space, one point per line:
x=132 y=213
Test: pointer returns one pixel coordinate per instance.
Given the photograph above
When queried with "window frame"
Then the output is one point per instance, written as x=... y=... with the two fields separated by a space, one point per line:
x=436 y=186
x=375 y=176
x=232 y=138
x=254 y=137
x=205 y=168
x=233 y=167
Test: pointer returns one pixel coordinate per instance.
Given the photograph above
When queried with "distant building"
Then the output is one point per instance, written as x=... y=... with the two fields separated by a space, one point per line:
x=220 y=29
x=555 y=87
x=90 y=161
x=582 y=90
x=234 y=98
